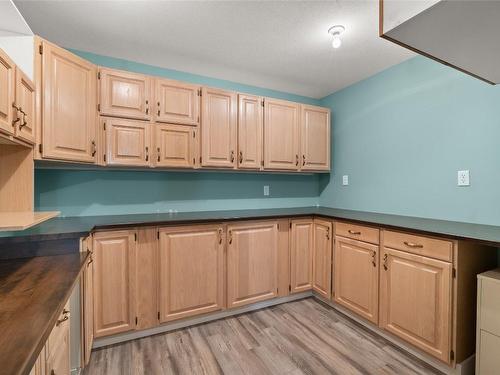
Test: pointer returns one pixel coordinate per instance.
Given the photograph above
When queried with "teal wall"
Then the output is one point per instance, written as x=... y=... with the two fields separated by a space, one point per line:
x=403 y=134
x=101 y=192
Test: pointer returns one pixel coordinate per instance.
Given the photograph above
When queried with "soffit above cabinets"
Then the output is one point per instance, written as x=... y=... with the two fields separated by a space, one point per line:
x=462 y=34
x=11 y=21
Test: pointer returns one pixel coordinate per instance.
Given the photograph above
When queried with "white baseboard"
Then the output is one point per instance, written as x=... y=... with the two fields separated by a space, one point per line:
x=127 y=336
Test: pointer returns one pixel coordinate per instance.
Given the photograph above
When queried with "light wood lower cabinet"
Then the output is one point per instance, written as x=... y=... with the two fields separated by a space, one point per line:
x=87 y=281
x=128 y=142
x=114 y=282
x=301 y=255
x=322 y=257
x=191 y=271
x=57 y=355
x=252 y=262
x=175 y=146
x=356 y=277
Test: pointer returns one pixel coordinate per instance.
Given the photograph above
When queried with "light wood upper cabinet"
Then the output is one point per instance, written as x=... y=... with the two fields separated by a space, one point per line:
x=177 y=102
x=415 y=301
x=175 y=146
x=7 y=88
x=250 y=128
x=191 y=271
x=218 y=128
x=252 y=262
x=356 y=277
x=322 y=258
x=69 y=122
x=25 y=102
x=114 y=282
x=301 y=252
x=315 y=138
x=124 y=94
x=281 y=135
x=128 y=142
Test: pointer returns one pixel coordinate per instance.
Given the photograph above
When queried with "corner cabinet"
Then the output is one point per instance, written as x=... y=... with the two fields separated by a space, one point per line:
x=322 y=258
x=69 y=121
x=191 y=271
x=114 y=282
x=315 y=138
x=252 y=262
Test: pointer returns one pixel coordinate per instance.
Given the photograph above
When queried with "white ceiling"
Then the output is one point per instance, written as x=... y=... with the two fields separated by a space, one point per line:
x=281 y=45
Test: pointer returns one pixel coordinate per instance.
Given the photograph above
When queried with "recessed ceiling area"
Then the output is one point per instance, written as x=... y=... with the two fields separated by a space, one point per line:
x=282 y=45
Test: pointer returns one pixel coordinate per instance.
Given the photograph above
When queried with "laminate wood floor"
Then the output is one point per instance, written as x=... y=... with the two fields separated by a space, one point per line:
x=301 y=337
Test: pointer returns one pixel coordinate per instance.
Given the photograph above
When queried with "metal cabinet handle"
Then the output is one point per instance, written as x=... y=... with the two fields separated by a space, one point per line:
x=158 y=109
x=24 y=123
x=296 y=159
x=232 y=156
x=64 y=318
x=158 y=149
x=413 y=245
x=354 y=232
x=94 y=148
x=147 y=107
x=230 y=237
x=327 y=233
x=374 y=254
x=385 y=262
x=241 y=156
x=303 y=160
x=18 y=118
x=147 y=153
x=220 y=236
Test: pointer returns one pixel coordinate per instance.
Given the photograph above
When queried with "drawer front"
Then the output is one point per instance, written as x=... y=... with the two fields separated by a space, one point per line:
x=59 y=331
x=490 y=306
x=427 y=246
x=357 y=232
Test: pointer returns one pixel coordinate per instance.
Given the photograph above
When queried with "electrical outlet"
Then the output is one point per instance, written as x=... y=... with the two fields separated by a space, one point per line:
x=345 y=180
x=463 y=178
x=266 y=190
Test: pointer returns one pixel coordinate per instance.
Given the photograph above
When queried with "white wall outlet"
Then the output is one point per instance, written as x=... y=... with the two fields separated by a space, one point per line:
x=345 y=180
x=463 y=178
x=266 y=190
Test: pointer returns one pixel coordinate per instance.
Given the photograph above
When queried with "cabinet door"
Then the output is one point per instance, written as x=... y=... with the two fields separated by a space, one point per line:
x=191 y=271
x=281 y=135
x=25 y=101
x=114 y=300
x=415 y=301
x=356 y=277
x=301 y=264
x=175 y=146
x=250 y=127
x=7 y=84
x=124 y=94
x=315 y=138
x=218 y=129
x=322 y=258
x=127 y=142
x=58 y=362
x=177 y=102
x=252 y=262
x=88 y=310
x=69 y=106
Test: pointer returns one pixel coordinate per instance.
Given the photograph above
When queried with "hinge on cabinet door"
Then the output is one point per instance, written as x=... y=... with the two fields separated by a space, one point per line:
x=135 y=237
x=98 y=75
x=104 y=125
x=289 y=287
x=262 y=162
x=194 y=161
x=40 y=49
x=199 y=92
x=194 y=133
x=454 y=272
x=200 y=159
x=452 y=355
x=262 y=103
x=98 y=107
x=278 y=226
x=158 y=315
x=290 y=225
x=136 y=320
x=158 y=234
x=104 y=157
x=40 y=148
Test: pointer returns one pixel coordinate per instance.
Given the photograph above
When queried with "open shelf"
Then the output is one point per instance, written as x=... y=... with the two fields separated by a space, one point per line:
x=24 y=220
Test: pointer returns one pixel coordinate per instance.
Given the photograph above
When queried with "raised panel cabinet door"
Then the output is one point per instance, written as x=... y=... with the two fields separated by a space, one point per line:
x=322 y=258
x=252 y=262
x=191 y=271
x=175 y=146
x=25 y=102
x=58 y=362
x=356 y=277
x=250 y=128
x=124 y=94
x=7 y=92
x=415 y=303
x=114 y=282
x=69 y=122
x=127 y=142
x=315 y=138
x=218 y=128
x=281 y=135
x=301 y=255
x=177 y=102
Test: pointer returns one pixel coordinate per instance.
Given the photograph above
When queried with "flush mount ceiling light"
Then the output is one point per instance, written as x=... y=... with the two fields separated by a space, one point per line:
x=335 y=32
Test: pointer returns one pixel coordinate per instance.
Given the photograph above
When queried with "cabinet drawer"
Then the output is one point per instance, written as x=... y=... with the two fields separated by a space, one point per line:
x=59 y=331
x=357 y=232
x=430 y=247
x=489 y=298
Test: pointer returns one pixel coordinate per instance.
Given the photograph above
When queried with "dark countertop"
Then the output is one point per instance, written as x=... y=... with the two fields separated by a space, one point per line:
x=33 y=292
x=81 y=226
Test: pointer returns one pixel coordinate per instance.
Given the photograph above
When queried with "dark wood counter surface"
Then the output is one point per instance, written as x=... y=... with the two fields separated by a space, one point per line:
x=33 y=292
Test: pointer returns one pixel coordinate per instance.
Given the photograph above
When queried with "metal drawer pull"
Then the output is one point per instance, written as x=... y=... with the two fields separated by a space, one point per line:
x=385 y=262
x=414 y=245
x=354 y=232
x=374 y=254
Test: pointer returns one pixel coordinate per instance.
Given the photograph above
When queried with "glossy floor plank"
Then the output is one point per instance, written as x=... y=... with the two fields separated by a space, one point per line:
x=302 y=337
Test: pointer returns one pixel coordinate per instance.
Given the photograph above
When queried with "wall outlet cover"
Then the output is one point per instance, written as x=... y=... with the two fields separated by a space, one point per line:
x=345 y=180
x=463 y=178
x=266 y=190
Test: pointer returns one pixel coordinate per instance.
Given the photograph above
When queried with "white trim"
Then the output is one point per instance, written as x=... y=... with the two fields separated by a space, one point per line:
x=115 y=339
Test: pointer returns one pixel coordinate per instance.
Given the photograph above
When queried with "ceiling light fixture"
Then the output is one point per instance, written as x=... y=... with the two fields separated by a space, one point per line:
x=335 y=32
